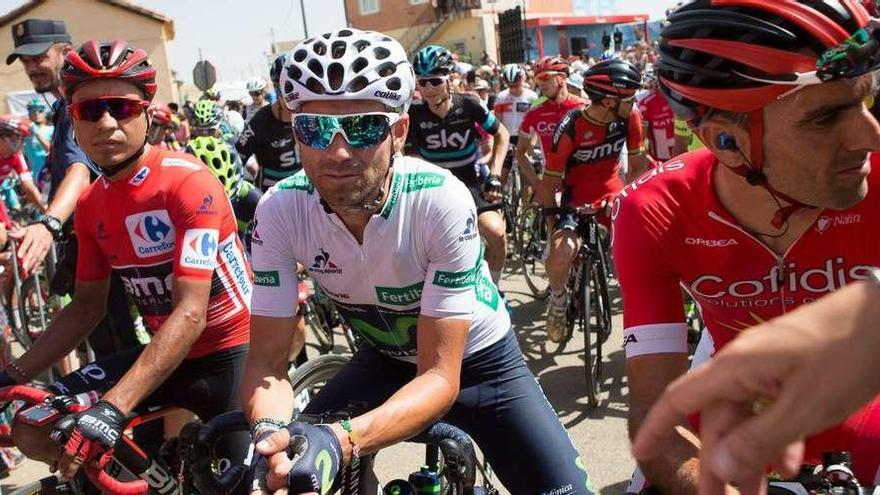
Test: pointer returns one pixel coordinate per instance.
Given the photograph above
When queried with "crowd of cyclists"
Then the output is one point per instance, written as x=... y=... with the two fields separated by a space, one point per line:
x=729 y=166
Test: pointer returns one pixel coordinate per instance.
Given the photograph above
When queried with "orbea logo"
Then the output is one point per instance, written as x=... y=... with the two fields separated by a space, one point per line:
x=151 y=233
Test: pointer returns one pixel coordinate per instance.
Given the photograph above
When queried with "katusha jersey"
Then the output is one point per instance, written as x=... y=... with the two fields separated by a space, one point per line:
x=660 y=121
x=671 y=231
x=543 y=120
x=421 y=255
x=587 y=155
x=170 y=218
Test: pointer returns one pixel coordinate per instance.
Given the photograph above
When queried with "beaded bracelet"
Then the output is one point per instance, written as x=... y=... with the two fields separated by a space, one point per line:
x=352 y=438
x=265 y=424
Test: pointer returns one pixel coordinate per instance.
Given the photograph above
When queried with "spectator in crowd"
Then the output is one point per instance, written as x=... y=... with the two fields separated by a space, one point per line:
x=36 y=145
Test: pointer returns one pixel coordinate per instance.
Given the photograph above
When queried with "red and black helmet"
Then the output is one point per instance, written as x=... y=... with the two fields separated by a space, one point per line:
x=715 y=53
x=613 y=78
x=108 y=60
x=551 y=64
x=161 y=114
x=10 y=124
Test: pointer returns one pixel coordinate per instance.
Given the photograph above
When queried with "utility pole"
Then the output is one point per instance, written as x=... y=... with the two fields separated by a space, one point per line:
x=302 y=6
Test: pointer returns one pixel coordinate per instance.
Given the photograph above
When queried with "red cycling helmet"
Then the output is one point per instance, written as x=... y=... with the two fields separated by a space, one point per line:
x=741 y=55
x=108 y=60
x=14 y=125
x=551 y=64
x=161 y=114
x=872 y=6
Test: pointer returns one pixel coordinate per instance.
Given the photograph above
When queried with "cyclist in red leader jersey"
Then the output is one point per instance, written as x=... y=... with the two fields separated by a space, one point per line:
x=162 y=221
x=584 y=162
x=541 y=121
x=779 y=211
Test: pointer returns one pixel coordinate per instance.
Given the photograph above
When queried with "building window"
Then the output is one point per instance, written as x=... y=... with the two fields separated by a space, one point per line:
x=417 y=2
x=368 y=6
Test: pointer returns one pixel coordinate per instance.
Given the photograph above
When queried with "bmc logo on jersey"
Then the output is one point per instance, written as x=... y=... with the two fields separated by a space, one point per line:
x=200 y=248
x=600 y=152
x=151 y=233
x=447 y=140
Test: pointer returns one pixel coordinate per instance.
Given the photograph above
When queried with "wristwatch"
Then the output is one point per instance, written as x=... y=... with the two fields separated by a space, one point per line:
x=53 y=225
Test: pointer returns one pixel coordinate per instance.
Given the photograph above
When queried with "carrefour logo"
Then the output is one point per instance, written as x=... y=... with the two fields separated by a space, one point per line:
x=151 y=233
x=200 y=248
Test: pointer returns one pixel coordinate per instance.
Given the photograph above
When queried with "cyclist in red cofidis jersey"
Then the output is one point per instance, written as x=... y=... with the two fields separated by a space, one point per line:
x=779 y=210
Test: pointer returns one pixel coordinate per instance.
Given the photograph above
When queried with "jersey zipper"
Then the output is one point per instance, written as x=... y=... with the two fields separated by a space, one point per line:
x=780 y=260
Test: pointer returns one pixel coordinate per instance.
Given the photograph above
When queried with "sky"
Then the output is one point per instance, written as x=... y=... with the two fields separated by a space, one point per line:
x=236 y=35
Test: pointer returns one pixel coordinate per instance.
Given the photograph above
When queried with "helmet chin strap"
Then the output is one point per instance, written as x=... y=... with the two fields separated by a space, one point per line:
x=753 y=174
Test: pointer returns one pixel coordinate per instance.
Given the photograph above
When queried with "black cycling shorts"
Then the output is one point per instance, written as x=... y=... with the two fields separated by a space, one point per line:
x=500 y=405
x=468 y=175
x=207 y=385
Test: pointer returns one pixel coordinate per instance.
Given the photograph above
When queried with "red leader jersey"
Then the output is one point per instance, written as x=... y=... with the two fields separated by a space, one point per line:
x=169 y=218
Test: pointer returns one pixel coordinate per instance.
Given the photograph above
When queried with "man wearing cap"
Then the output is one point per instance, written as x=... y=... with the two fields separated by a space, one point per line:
x=41 y=46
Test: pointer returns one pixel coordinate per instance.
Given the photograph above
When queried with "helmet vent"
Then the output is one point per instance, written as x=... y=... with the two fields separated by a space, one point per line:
x=300 y=55
x=294 y=72
x=360 y=45
x=315 y=86
x=316 y=68
x=381 y=53
x=210 y=146
x=344 y=33
x=359 y=64
x=393 y=84
x=337 y=49
x=320 y=48
x=386 y=69
x=335 y=73
x=357 y=84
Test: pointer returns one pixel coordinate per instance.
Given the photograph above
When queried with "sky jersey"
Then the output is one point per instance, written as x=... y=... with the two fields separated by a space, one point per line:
x=450 y=142
x=543 y=119
x=271 y=140
x=671 y=231
x=660 y=121
x=170 y=218
x=587 y=155
x=512 y=109
x=421 y=255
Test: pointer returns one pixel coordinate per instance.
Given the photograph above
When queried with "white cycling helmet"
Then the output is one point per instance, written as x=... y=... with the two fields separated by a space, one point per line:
x=511 y=72
x=348 y=64
x=256 y=85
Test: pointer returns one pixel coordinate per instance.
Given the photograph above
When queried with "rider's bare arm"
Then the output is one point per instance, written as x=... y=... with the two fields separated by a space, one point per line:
x=424 y=399
x=638 y=165
x=524 y=158
x=168 y=347
x=69 y=327
x=31 y=192
x=676 y=467
x=265 y=389
x=500 y=143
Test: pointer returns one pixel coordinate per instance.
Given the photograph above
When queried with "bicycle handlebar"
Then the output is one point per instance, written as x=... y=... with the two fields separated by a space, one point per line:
x=108 y=484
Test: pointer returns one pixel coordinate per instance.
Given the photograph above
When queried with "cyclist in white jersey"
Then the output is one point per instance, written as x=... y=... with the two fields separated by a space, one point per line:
x=511 y=106
x=393 y=241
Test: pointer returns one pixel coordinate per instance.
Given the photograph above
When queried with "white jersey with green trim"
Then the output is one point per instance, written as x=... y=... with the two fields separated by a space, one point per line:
x=420 y=255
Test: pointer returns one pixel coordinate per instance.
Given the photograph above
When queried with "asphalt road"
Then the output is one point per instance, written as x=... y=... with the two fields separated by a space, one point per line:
x=599 y=435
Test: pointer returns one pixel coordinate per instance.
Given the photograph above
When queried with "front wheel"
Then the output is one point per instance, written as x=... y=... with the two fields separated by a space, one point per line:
x=592 y=343
x=310 y=378
x=532 y=242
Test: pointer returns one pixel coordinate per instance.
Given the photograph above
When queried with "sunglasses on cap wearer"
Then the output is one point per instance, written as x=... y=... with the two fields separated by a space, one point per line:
x=432 y=81
x=119 y=107
x=363 y=130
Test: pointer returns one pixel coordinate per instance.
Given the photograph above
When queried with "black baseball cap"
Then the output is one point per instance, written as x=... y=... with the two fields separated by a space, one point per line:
x=35 y=36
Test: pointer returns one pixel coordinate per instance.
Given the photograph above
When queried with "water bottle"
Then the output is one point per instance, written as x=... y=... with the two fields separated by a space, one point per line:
x=425 y=481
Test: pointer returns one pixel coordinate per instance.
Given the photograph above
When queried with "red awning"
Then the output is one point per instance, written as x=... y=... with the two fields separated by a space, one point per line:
x=578 y=21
